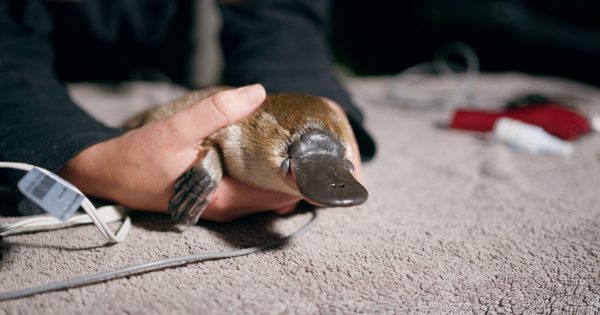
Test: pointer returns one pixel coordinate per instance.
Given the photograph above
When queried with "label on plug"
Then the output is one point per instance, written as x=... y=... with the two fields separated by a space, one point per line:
x=51 y=193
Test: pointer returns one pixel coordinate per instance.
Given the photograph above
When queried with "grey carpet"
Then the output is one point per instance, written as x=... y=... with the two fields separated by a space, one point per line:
x=455 y=224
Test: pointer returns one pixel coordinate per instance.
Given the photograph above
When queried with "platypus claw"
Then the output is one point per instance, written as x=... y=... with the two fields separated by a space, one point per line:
x=192 y=194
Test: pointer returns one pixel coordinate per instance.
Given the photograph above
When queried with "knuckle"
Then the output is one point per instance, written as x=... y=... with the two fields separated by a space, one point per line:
x=218 y=99
x=171 y=127
x=219 y=102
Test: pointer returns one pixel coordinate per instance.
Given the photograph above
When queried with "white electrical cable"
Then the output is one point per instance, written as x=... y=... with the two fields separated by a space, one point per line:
x=405 y=90
x=150 y=266
x=86 y=205
x=108 y=214
x=105 y=215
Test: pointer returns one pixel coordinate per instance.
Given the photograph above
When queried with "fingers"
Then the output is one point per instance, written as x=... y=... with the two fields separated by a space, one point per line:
x=357 y=163
x=234 y=199
x=356 y=156
x=217 y=111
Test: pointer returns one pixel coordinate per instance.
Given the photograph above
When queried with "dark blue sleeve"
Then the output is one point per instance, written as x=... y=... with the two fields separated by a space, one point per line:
x=39 y=123
x=283 y=45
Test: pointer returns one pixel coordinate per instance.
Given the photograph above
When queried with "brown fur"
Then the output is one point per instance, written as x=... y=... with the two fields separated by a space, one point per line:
x=254 y=148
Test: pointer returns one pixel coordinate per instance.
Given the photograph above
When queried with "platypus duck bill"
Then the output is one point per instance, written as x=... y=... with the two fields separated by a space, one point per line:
x=322 y=174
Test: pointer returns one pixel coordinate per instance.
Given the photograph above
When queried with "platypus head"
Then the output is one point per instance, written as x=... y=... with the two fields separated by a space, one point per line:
x=296 y=144
x=318 y=167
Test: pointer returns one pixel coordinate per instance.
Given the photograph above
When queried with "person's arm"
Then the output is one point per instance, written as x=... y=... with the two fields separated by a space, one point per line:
x=283 y=45
x=39 y=124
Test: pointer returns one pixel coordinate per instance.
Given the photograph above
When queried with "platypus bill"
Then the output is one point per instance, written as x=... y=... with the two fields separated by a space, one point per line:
x=293 y=143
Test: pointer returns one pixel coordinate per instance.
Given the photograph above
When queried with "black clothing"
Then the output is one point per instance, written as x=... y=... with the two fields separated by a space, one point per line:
x=279 y=43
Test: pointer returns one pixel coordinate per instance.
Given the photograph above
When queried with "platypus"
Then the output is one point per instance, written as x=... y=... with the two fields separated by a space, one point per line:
x=293 y=143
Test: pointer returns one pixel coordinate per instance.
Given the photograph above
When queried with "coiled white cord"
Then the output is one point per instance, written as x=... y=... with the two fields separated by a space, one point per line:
x=107 y=214
x=404 y=89
x=100 y=217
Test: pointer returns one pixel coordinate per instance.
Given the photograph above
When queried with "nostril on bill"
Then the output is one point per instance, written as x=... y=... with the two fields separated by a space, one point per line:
x=326 y=180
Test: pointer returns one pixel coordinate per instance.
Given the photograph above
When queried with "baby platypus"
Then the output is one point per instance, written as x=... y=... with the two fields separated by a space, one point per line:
x=293 y=143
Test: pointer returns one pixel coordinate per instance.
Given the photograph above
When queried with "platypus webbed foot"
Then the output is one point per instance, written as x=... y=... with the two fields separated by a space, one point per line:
x=321 y=172
x=194 y=189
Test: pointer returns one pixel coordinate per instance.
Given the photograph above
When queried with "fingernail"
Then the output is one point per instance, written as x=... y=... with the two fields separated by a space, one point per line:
x=253 y=94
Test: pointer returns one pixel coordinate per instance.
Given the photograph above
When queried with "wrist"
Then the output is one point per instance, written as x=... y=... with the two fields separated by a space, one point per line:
x=88 y=171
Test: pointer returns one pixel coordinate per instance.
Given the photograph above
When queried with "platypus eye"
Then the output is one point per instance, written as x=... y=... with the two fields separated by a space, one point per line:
x=285 y=166
x=349 y=165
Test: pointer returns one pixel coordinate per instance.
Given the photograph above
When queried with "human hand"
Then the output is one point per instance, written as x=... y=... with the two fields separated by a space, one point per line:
x=356 y=157
x=140 y=168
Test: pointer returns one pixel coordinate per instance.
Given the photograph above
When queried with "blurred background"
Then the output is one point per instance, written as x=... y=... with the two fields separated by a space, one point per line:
x=552 y=37
x=548 y=37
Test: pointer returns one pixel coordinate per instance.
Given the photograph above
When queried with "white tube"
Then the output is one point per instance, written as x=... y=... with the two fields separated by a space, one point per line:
x=529 y=138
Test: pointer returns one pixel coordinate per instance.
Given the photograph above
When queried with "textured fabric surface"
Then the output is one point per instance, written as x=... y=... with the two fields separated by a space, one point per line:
x=454 y=224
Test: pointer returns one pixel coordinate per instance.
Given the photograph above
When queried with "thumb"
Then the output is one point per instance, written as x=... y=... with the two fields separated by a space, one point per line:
x=217 y=111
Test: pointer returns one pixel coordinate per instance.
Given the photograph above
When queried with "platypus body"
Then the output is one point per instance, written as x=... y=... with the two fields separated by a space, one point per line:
x=294 y=143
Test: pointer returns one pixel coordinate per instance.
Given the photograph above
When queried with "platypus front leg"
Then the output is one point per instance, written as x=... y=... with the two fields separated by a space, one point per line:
x=195 y=187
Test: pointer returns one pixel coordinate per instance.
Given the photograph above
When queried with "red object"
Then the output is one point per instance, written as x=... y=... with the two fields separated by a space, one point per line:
x=557 y=120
